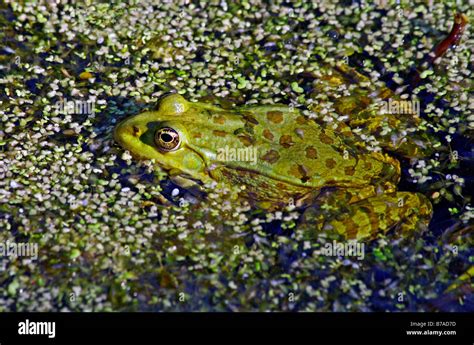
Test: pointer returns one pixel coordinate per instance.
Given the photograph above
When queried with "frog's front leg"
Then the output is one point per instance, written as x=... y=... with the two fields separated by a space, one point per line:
x=403 y=211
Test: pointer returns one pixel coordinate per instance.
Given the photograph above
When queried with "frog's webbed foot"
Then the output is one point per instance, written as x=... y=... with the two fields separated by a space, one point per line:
x=403 y=211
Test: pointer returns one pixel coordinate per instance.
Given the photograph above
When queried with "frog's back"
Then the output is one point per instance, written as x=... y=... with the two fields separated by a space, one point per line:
x=298 y=151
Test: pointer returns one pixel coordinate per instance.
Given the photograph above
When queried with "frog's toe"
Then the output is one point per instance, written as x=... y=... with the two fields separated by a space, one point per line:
x=406 y=212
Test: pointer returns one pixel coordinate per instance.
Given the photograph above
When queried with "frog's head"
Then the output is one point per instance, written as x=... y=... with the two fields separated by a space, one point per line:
x=162 y=135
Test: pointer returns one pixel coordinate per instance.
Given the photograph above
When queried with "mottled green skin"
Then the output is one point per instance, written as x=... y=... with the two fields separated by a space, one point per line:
x=297 y=161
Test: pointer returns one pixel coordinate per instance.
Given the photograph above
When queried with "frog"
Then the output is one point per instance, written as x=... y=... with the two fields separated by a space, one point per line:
x=280 y=157
x=298 y=161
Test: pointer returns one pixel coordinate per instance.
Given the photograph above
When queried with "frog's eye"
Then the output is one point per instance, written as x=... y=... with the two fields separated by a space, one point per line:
x=167 y=139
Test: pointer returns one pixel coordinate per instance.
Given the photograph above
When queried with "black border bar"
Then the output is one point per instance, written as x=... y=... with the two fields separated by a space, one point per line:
x=241 y=328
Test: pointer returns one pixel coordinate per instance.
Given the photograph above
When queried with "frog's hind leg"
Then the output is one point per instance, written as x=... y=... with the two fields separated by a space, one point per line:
x=376 y=111
x=403 y=211
x=398 y=131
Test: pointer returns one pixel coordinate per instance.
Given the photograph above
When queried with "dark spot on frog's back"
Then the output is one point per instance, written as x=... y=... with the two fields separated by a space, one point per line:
x=301 y=120
x=331 y=163
x=286 y=141
x=349 y=171
x=219 y=133
x=250 y=118
x=219 y=119
x=246 y=140
x=271 y=157
x=275 y=116
x=325 y=139
x=311 y=152
x=267 y=134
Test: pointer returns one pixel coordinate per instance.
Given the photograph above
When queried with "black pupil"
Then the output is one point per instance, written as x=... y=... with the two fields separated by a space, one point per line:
x=167 y=138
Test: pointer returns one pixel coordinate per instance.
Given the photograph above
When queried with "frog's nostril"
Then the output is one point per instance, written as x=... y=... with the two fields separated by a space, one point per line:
x=135 y=130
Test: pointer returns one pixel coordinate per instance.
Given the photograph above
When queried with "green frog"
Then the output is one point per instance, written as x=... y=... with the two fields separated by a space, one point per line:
x=279 y=157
